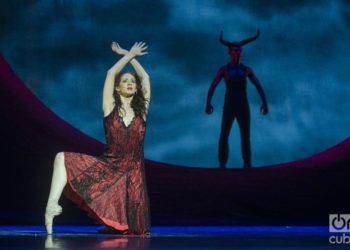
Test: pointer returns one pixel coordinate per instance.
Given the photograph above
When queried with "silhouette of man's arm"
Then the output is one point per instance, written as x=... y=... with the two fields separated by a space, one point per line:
x=209 y=108
x=252 y=77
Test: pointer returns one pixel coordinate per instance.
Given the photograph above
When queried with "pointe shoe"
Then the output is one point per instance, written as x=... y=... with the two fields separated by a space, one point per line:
x=51 y=212
x=52 y=243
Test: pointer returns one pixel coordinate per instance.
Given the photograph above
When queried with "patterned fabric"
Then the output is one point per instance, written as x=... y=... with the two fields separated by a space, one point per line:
x=112 y=188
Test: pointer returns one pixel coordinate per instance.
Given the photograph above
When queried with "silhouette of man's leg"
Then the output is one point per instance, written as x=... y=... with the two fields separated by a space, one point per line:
x=243 y=118
x=227 y=120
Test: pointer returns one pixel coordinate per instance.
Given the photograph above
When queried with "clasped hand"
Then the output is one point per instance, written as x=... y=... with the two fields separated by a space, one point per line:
x=138 y=49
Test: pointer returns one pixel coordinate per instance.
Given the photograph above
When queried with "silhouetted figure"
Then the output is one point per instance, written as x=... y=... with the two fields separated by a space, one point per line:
x=236 y=102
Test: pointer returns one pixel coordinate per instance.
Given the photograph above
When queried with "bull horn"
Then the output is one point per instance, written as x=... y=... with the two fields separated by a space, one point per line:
x=250 y=39
x=224 y=42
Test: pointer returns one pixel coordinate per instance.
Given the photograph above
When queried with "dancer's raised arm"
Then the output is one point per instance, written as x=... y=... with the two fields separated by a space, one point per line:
x=108 y=89
x=144 y=77
x=140 y=71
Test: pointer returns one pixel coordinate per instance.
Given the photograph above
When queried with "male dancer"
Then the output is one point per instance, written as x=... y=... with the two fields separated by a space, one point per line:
x=236 y=102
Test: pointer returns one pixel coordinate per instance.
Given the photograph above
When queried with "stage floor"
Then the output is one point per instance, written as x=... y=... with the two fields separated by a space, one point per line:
x=85 y=237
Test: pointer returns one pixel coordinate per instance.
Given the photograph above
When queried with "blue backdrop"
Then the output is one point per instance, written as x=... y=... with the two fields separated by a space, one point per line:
x=61 y=50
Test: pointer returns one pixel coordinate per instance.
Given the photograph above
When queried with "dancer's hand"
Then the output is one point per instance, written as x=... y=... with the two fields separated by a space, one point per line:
x=209 y=109
x=117 y=49
x=138 y=49
x=264 y=109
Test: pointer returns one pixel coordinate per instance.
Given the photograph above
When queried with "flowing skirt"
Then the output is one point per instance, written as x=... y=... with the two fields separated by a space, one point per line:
x=110 y=190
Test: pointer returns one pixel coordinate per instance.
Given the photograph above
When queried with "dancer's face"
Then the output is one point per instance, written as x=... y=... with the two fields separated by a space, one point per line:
x=235 y=53
x=127 y=85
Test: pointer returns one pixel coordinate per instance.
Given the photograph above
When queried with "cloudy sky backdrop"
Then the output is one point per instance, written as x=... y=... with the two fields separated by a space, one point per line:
x=61 y=50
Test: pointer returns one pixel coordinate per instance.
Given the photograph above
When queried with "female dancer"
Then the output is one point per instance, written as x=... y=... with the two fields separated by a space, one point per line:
x=111 y=188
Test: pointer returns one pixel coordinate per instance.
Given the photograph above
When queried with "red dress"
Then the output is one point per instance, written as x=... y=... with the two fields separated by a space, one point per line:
x=112 y=188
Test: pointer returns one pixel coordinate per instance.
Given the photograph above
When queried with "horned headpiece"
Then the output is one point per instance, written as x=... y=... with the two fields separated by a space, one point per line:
x=240 y=43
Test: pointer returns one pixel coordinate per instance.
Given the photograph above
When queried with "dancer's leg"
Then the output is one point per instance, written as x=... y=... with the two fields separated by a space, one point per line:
x=243 y=119
x=59 y=180
x=227 y=120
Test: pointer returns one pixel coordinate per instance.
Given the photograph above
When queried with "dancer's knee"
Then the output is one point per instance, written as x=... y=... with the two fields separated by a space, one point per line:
x=59 y=159
x=223 y=138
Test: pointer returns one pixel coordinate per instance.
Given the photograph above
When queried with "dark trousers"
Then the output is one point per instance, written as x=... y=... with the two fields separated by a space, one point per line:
x=232 y=111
